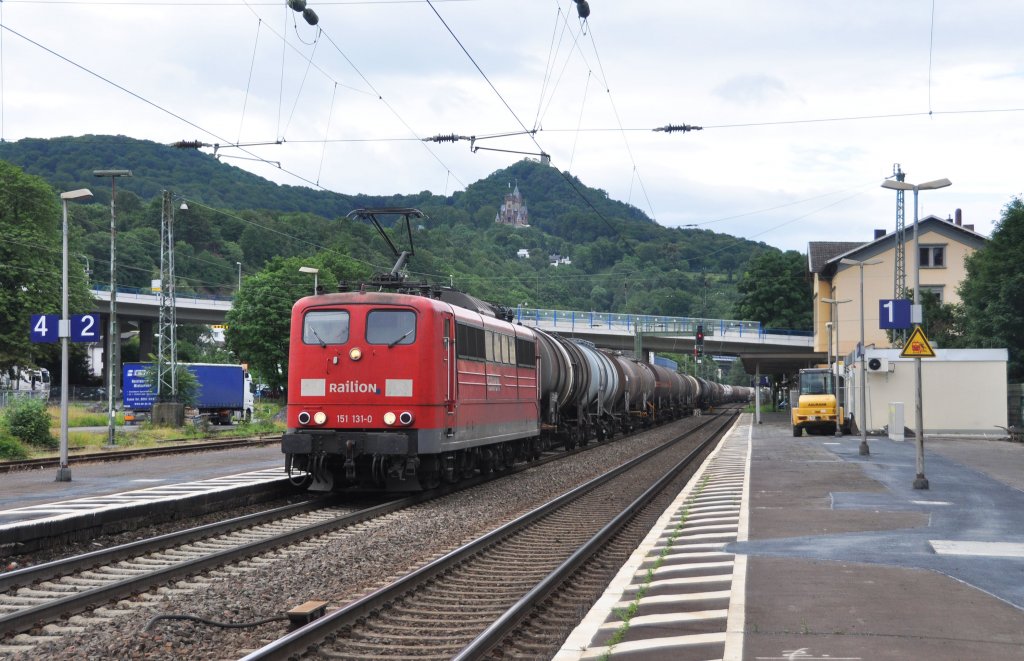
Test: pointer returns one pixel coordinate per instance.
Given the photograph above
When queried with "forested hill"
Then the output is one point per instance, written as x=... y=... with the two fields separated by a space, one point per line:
x=68 y=164
x=620 y=259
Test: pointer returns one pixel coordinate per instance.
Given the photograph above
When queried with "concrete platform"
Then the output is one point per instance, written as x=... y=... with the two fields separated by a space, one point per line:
x=35 y=507
x=836 y=556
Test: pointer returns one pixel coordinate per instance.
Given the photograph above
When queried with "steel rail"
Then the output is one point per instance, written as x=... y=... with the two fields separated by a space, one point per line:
x=299 y=641
x=24 y=619
x=490 y=637
x=78 y=602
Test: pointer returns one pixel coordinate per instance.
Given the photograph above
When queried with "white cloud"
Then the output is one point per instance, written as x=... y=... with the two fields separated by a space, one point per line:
x=760 y=77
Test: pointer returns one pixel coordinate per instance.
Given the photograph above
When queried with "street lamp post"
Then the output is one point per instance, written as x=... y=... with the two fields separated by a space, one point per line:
x=239 y=264
x=835 y=383
x=64 y=471
x=315 y=272
x=920 y=481
x=828 y=329
x=113 y=335
x=864 y=449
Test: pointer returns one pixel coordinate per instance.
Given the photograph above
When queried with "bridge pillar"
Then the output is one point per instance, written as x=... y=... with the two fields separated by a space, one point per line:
x=145 y=339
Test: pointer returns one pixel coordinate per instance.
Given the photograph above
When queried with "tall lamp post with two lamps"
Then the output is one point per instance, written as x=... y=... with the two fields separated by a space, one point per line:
x=920 y=481
x=64 y=471
x=835 y=375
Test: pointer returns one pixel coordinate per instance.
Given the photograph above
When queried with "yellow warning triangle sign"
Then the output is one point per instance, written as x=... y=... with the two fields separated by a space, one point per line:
x=917 y=346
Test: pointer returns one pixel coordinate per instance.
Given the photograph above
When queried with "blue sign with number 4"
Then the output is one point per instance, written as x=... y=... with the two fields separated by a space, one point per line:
x=894 y=313
x=45 y=328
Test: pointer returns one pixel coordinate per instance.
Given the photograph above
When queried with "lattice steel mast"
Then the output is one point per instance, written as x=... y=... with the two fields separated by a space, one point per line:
x=899 y=288
x=167 y=354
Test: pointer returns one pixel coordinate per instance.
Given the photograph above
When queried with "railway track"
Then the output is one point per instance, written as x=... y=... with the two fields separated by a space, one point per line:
x=553 y=560
x=54 y=592
x=45 y=593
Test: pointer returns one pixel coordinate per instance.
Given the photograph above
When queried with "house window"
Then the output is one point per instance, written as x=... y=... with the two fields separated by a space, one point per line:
x=933 y=289
x=933 y=256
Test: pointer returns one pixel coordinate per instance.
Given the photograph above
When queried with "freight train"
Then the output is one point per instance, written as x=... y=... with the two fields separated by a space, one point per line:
x=406 y=388
x=402 y=391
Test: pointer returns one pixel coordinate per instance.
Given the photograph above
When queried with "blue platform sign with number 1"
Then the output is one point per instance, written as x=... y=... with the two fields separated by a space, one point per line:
x=894 y=313
x=45 y=328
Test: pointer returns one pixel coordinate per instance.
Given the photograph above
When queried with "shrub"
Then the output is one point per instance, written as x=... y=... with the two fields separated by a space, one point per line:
x=12 y=449
x=28 y=421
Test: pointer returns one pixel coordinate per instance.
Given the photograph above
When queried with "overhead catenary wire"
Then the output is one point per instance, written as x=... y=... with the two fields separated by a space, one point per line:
x=532 y=135
x=618 y=120
x=248 y=82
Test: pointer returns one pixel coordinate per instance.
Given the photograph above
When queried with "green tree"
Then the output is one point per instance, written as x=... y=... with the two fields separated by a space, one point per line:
x=943 y=322
x=993 y=291
x=30 y=264
x=774 y=289
x=736 y=375
x=258 y=324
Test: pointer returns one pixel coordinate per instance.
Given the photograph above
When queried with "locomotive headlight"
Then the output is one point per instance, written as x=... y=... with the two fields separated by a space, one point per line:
x=405 y=418
x=304 y=418
x=355 y=353
x=319 y=417
x=389 y=418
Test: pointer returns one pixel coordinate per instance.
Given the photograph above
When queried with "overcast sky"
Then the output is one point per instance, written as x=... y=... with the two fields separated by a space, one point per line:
x=805 y=106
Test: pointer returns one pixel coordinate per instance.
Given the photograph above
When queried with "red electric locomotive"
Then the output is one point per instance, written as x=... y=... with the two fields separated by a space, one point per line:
x=402 y=391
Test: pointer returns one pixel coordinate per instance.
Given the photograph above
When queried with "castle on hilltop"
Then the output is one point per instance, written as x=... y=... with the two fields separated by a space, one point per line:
x=513 y=211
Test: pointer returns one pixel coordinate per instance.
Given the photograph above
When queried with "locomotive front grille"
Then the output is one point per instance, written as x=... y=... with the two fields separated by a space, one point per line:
x=334 y=442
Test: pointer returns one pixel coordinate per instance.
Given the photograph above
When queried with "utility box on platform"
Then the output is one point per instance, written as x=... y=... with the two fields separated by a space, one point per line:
x=895 y=421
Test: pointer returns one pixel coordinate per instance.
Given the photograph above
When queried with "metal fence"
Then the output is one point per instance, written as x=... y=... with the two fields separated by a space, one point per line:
x=1015 y=405
x=631 y=323
x=8 y=396
x=75 y=394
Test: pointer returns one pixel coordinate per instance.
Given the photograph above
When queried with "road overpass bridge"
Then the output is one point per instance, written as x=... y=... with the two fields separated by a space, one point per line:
x=763 y=351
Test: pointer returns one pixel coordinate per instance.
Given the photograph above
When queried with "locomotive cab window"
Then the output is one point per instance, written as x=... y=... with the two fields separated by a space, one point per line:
x=325 y=327
x=391 y=327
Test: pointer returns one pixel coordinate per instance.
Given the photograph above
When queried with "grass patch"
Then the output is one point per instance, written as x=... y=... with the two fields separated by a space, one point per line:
x=268 y=419
x=627 y=614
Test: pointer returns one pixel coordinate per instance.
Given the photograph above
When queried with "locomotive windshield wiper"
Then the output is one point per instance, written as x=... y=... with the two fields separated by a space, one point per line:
x=323 y=345
x=407 y=334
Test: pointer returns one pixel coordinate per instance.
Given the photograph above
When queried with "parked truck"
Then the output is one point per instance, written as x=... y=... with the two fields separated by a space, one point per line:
x=225 y=391
x=24 y=382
